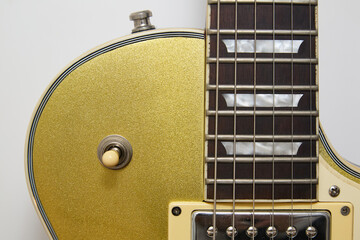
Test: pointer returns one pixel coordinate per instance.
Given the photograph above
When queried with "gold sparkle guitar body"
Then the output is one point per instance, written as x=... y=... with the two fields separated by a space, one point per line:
x=149 y=88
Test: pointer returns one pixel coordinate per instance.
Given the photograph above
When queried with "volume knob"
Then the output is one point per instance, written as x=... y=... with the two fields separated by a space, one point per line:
x=141 y=21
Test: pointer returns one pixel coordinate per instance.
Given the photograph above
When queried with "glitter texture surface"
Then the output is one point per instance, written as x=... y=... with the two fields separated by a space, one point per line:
x=152 y=93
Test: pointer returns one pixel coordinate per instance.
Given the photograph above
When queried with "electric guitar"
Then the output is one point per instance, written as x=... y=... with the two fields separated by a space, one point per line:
x=189 y=134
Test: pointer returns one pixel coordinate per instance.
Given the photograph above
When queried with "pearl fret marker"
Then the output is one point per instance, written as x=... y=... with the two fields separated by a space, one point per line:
x=263 y=46
x=263 y=100
x=262 y=148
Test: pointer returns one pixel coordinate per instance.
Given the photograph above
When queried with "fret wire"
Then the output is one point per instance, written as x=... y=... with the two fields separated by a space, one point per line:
x=262 y=60
x=261 y=181
x=260 y=200
x=311 y=2
x=262 y=32
x=263 y=137
x=262 y=113
x=262 y=159
x=264 y=87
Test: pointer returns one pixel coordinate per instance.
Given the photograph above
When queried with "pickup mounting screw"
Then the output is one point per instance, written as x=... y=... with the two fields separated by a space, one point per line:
x=230 y=231
x=311 y=232
x=176 y=211
x=334 y=191
x=291 y=232
x=345 y=210
x=210 y=231
x=271 y=232
x=252 y=232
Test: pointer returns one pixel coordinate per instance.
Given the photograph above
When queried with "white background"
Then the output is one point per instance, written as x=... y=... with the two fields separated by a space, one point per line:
x=39 y=37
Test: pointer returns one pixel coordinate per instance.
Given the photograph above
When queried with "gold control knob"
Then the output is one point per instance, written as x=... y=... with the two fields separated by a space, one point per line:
x=111 y=158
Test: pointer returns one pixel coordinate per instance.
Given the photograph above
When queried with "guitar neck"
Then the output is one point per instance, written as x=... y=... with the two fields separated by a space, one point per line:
x=262 y=100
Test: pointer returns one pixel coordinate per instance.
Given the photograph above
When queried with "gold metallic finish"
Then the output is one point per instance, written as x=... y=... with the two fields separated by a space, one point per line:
x=150 y=92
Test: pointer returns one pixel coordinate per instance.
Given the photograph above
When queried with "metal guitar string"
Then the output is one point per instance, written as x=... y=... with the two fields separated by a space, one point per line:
x=235 y=107
x=291 y=218
x=311 y=130
x=216 y=117
x=272 y=221
x=254 y=133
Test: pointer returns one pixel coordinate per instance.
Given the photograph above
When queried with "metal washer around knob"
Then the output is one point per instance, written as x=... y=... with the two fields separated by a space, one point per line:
x=141 y=21
x=116 y=142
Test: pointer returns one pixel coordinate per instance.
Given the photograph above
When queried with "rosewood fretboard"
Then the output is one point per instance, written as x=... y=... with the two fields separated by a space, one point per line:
x=278 y=141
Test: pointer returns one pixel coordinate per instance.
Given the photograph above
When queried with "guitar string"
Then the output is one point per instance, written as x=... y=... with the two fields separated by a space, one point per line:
x=291 y=220
x=216 y=118
x=272 y=216
x=235 y=108
x=254 y=122
x=311 y=103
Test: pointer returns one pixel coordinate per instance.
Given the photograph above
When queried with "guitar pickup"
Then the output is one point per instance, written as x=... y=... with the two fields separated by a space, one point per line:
x=323 y=220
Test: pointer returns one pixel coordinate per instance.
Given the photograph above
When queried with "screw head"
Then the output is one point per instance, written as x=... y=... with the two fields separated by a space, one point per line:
x=291 y=232
x=210 y=231
x=176 y=211
x=230 y=230
x=271 y=232
x=252 y=232
x=345 y=210
x=311 y=232
x=334 y=191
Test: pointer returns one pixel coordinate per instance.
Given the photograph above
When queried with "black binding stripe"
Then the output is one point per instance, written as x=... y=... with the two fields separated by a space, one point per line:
x=333 y=156
x=52 y=88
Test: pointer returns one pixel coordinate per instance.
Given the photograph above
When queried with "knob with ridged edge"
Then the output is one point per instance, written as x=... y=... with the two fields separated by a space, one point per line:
x=141 y=21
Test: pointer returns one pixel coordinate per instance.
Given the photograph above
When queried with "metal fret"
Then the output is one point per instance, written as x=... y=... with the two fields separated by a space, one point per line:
x=263 y=32
x=264 y=87
x=262 y=181
x=262 y=159
x=260 y=200
x=263 y=60
x=264 y=137
x=313 y=2
x=263 y=113
x=296 y=149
